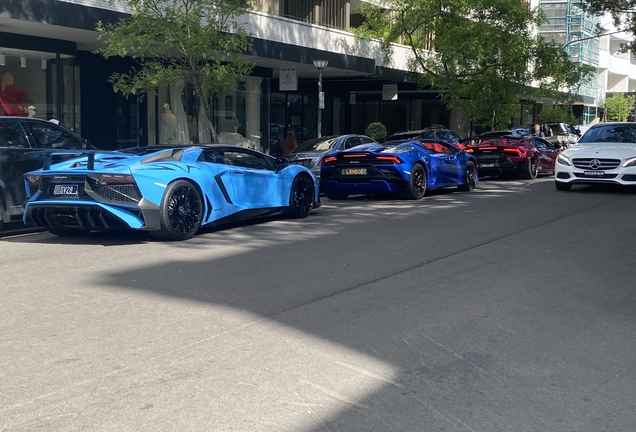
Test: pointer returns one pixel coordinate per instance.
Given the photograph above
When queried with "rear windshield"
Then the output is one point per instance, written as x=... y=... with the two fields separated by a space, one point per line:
x=610 y=133
x=317 y=144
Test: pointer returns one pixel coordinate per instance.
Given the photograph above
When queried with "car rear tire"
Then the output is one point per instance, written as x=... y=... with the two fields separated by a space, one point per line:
x=560 y=186
x=336 y=195
x=471 y=178
x=416 y=187
x=302 y=196
x=180 y=212
x=532 y=169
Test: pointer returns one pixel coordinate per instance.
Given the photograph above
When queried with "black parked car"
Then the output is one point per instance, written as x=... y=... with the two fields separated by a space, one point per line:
x=447 y=136
x=20 y=135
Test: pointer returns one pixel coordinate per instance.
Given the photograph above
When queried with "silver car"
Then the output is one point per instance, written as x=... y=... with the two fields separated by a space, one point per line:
x=311 y=151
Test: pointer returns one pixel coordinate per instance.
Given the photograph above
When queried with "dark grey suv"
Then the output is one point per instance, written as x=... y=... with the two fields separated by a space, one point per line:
x=20 y=135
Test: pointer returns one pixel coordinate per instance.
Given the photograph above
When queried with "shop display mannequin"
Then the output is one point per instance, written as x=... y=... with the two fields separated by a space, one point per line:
x=168 y=126
x=31 y=111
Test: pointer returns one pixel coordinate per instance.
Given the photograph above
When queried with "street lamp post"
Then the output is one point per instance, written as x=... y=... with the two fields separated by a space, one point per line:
x=320 y=65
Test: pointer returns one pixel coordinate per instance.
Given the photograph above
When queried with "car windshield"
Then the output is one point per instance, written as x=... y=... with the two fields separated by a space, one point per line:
x=316 y=144
x=610 y=133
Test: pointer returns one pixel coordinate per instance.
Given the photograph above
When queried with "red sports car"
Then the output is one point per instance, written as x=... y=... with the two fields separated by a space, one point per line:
x=523 y=156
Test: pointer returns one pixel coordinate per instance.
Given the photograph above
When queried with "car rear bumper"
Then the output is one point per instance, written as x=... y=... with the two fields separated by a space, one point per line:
x=89 y=216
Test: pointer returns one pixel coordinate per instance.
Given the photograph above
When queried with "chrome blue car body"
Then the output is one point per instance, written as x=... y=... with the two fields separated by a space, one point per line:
x=405 y=167
x=171 y=192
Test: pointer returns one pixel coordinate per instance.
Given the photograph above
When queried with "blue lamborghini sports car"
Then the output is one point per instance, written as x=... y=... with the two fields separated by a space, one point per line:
x=169 y=191
x=405 y=167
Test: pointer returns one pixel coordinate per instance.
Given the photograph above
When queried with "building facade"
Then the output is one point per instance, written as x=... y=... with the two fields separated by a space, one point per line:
x=568 y=24
x=47 y=61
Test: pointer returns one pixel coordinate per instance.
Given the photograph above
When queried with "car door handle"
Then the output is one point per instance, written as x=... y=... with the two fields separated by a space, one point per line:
x=239 y=172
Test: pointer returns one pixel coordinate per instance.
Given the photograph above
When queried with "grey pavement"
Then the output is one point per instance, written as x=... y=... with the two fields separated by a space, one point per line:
x=511 y=308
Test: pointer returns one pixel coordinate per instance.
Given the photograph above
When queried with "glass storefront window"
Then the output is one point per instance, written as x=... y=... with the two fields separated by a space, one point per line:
x=32 y=85
x=234 y=118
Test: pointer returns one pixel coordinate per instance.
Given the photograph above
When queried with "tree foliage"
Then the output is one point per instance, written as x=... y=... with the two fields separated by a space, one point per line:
x=376 y=131
x=623 y=13
x=481 y=54
x=618 y=107
x=198 y=41
x=557 y=112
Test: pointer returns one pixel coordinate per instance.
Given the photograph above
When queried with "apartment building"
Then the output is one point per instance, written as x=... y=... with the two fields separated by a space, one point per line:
x=46 y=51
x=616 y=72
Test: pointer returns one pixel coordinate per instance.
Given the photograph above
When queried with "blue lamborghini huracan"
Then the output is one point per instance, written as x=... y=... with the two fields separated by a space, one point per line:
x=405 y=167
x=169 y=191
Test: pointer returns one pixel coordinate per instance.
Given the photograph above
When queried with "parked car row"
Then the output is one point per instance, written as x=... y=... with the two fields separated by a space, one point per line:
x=173 y=191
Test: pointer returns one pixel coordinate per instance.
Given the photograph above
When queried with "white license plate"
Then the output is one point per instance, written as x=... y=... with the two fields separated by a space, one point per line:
x=594 y=173
x=483 y=165
x=65 y=190
x=354 y=171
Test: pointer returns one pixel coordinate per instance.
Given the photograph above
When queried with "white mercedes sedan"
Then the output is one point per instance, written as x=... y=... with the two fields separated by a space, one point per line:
x=606 y=153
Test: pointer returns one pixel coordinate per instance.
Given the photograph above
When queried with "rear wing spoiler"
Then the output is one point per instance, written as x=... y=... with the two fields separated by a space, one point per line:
x=90 y=164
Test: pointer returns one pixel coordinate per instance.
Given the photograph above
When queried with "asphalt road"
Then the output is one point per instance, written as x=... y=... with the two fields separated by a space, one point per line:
x=510 y=308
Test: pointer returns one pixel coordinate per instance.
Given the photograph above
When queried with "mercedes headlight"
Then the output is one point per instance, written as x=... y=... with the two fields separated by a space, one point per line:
x=564 y=160
x=630 y=162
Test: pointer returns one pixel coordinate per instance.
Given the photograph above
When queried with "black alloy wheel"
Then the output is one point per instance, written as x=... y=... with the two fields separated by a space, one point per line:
x=416 y=187
x=560 y=186
x=302 y=196
x=180 y=212
x=471 y=178
x=532 y=170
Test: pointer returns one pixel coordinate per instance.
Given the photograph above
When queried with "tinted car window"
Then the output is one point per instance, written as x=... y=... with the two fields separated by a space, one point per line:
x=610 y=133
x=12 y=135
x=448 y=136
x=541 y=145
x=317 y=144
x=353 y=141
x=247 y=160
x=51 y=136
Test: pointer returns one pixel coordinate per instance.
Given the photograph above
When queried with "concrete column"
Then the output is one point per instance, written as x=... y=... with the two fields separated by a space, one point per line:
x=253 y=110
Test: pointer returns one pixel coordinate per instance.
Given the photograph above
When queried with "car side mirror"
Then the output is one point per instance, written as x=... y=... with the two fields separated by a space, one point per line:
x=281 y=163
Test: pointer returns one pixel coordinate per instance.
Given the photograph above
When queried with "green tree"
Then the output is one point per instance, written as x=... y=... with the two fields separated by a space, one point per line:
x=618 y=107
x=623 y=13
x=557 y=112
x=482 y=55
x=376 y=131
x=198 y=41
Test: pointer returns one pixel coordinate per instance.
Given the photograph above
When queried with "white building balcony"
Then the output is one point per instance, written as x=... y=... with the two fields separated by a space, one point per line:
x=603 y=59
x=619 y=65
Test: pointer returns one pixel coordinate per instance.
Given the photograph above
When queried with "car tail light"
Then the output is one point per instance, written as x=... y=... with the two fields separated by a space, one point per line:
x=326 y=160
x=32 y=179
x=516 y=150
x=394 y=159
x=469 y=150
x=112 y=178
x=355 y=155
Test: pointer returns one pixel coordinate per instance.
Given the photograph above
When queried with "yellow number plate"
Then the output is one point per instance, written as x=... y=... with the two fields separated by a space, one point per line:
x=354 y=171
